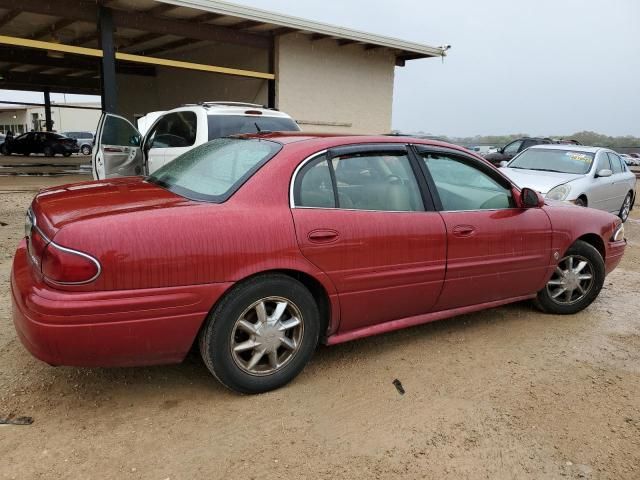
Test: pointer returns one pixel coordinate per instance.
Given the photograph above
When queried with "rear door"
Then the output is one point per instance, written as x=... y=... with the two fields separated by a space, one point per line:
x=495 y=250
x=619 y=180
x=117 y=152
x=362 y=219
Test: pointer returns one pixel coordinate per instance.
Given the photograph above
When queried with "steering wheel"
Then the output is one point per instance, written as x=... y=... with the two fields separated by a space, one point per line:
x=393 y=179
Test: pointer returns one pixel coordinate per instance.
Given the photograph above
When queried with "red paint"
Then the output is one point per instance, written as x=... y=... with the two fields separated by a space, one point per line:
x=167 y=260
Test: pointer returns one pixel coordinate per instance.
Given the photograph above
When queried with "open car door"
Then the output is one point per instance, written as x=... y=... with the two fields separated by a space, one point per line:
x=117 y=151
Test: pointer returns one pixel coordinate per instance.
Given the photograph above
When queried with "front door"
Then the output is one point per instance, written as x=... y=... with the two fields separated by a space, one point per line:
x=117 y=151
x=602 y=192
x=361 y=218
x=496 y=250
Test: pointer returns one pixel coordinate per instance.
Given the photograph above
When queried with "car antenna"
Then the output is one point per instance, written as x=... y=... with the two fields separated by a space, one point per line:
x=260 y=131
x=257 y=127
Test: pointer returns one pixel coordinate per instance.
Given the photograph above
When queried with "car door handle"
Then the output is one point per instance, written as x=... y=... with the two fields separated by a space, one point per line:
x=323 y=236
x=463 y=230
x=115 y=150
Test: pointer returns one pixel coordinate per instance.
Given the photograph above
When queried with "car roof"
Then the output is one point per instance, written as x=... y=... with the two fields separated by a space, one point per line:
x=329 y=140
x=568 y=146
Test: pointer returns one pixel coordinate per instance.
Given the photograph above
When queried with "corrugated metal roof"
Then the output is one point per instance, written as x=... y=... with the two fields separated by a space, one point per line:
x=299 y=24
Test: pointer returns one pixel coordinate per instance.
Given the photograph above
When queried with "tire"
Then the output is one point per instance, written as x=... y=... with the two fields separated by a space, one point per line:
x=4 y=150
x=581 y=202
x=85 y=150
x=48 y=151
x=66 y=154
x=228 y=347
x=625 y=209
x=552 y=300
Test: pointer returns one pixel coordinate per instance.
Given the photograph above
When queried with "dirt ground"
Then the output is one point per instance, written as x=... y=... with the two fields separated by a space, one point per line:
x=507 y=393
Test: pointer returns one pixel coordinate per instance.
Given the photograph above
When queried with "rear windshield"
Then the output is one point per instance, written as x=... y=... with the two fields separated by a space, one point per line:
x=562 y=161
x=214 y=171
x=225 y=125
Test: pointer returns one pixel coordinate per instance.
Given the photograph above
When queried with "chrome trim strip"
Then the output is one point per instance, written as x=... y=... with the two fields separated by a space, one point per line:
x=68 y=250
x=295 y=174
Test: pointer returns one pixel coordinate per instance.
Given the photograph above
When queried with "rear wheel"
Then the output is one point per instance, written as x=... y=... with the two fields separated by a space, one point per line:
x=626 y=208
x=575 y=283
x=66 y=154
x=261 y=334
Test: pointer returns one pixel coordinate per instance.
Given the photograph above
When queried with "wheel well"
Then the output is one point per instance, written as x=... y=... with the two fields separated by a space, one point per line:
x=586 y=200
x=595 y=241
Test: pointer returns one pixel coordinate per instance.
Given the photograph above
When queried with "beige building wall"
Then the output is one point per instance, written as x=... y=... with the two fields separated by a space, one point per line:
x=64 y=119
x=173 y=87
x=329 y=88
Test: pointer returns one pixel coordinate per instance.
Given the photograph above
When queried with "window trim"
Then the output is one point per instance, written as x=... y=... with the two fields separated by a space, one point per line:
x=417 y=148
x=332 y=152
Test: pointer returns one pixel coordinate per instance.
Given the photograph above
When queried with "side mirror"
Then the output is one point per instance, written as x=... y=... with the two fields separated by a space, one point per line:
x=504 y=163
x=530 y=198
x=134 y=140
x=605 y=172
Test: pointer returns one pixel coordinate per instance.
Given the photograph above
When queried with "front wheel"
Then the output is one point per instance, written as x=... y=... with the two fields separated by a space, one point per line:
x=626 y=208
x=575 y=283
x=261 y=334
x=85 y=150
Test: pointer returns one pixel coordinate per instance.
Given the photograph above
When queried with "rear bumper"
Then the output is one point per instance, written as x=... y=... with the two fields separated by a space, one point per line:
x=615 y=250
x=107 y=328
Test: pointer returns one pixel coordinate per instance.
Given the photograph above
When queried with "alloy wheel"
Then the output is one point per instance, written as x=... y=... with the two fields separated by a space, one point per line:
x=571 y=281
x=626 y=208
x=266 y=336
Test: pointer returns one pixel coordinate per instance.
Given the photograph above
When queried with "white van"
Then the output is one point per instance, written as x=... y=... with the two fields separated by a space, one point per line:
x=122 y=150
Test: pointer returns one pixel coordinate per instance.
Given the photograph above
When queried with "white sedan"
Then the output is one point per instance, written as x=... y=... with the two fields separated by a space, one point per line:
x=586 y=176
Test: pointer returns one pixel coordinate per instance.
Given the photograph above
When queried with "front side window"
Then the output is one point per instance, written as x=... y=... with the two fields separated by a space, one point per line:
x=366 y=181
x=173 y=130
x=512 y=148
x=463 y=186
x=117 y=131
x=214 y=171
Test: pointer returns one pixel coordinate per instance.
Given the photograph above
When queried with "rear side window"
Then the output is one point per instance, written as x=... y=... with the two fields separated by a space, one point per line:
x=366 y=181
x=214 y=171
x=225 y=125
x=173 y=130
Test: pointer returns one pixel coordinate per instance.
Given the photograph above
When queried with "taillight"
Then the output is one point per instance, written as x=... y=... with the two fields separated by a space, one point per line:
x=65 y=266
x=36 y=245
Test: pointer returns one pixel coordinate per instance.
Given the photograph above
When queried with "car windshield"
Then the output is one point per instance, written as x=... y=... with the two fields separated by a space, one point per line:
x=225 y=125
x=214 y=171
x=547 y=160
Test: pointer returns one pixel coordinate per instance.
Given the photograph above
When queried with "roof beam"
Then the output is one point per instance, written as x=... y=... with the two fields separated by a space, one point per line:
x=85 y=10
x=161 y=9
x=345 y=42
x=7 y=17
x=182 y=28
x=318 y=36
x=53 y=28
x=281 y=31
x=56 y=83
x=246 y=24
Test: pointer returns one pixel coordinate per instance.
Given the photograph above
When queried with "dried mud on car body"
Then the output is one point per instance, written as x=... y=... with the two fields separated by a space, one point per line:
x=505 y=393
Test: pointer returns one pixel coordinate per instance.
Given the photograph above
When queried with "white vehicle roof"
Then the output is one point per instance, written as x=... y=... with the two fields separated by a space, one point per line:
x=568 y=146
x=234 y=108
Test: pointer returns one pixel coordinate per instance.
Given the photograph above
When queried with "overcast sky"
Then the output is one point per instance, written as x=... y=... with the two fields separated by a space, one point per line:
x=544 y=67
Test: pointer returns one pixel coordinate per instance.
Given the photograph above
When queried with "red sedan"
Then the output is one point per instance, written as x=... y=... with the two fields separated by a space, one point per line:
x=256 y=248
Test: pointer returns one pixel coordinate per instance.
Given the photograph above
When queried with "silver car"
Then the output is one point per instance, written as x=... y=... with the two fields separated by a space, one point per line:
x=586 y=176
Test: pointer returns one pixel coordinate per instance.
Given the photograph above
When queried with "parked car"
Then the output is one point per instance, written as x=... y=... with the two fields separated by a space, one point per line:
x=587 y=176
x=257 y=247
x=47 y=143
x=510 y=150
x=175 y=132
x=629 y=160
x=84 y=139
